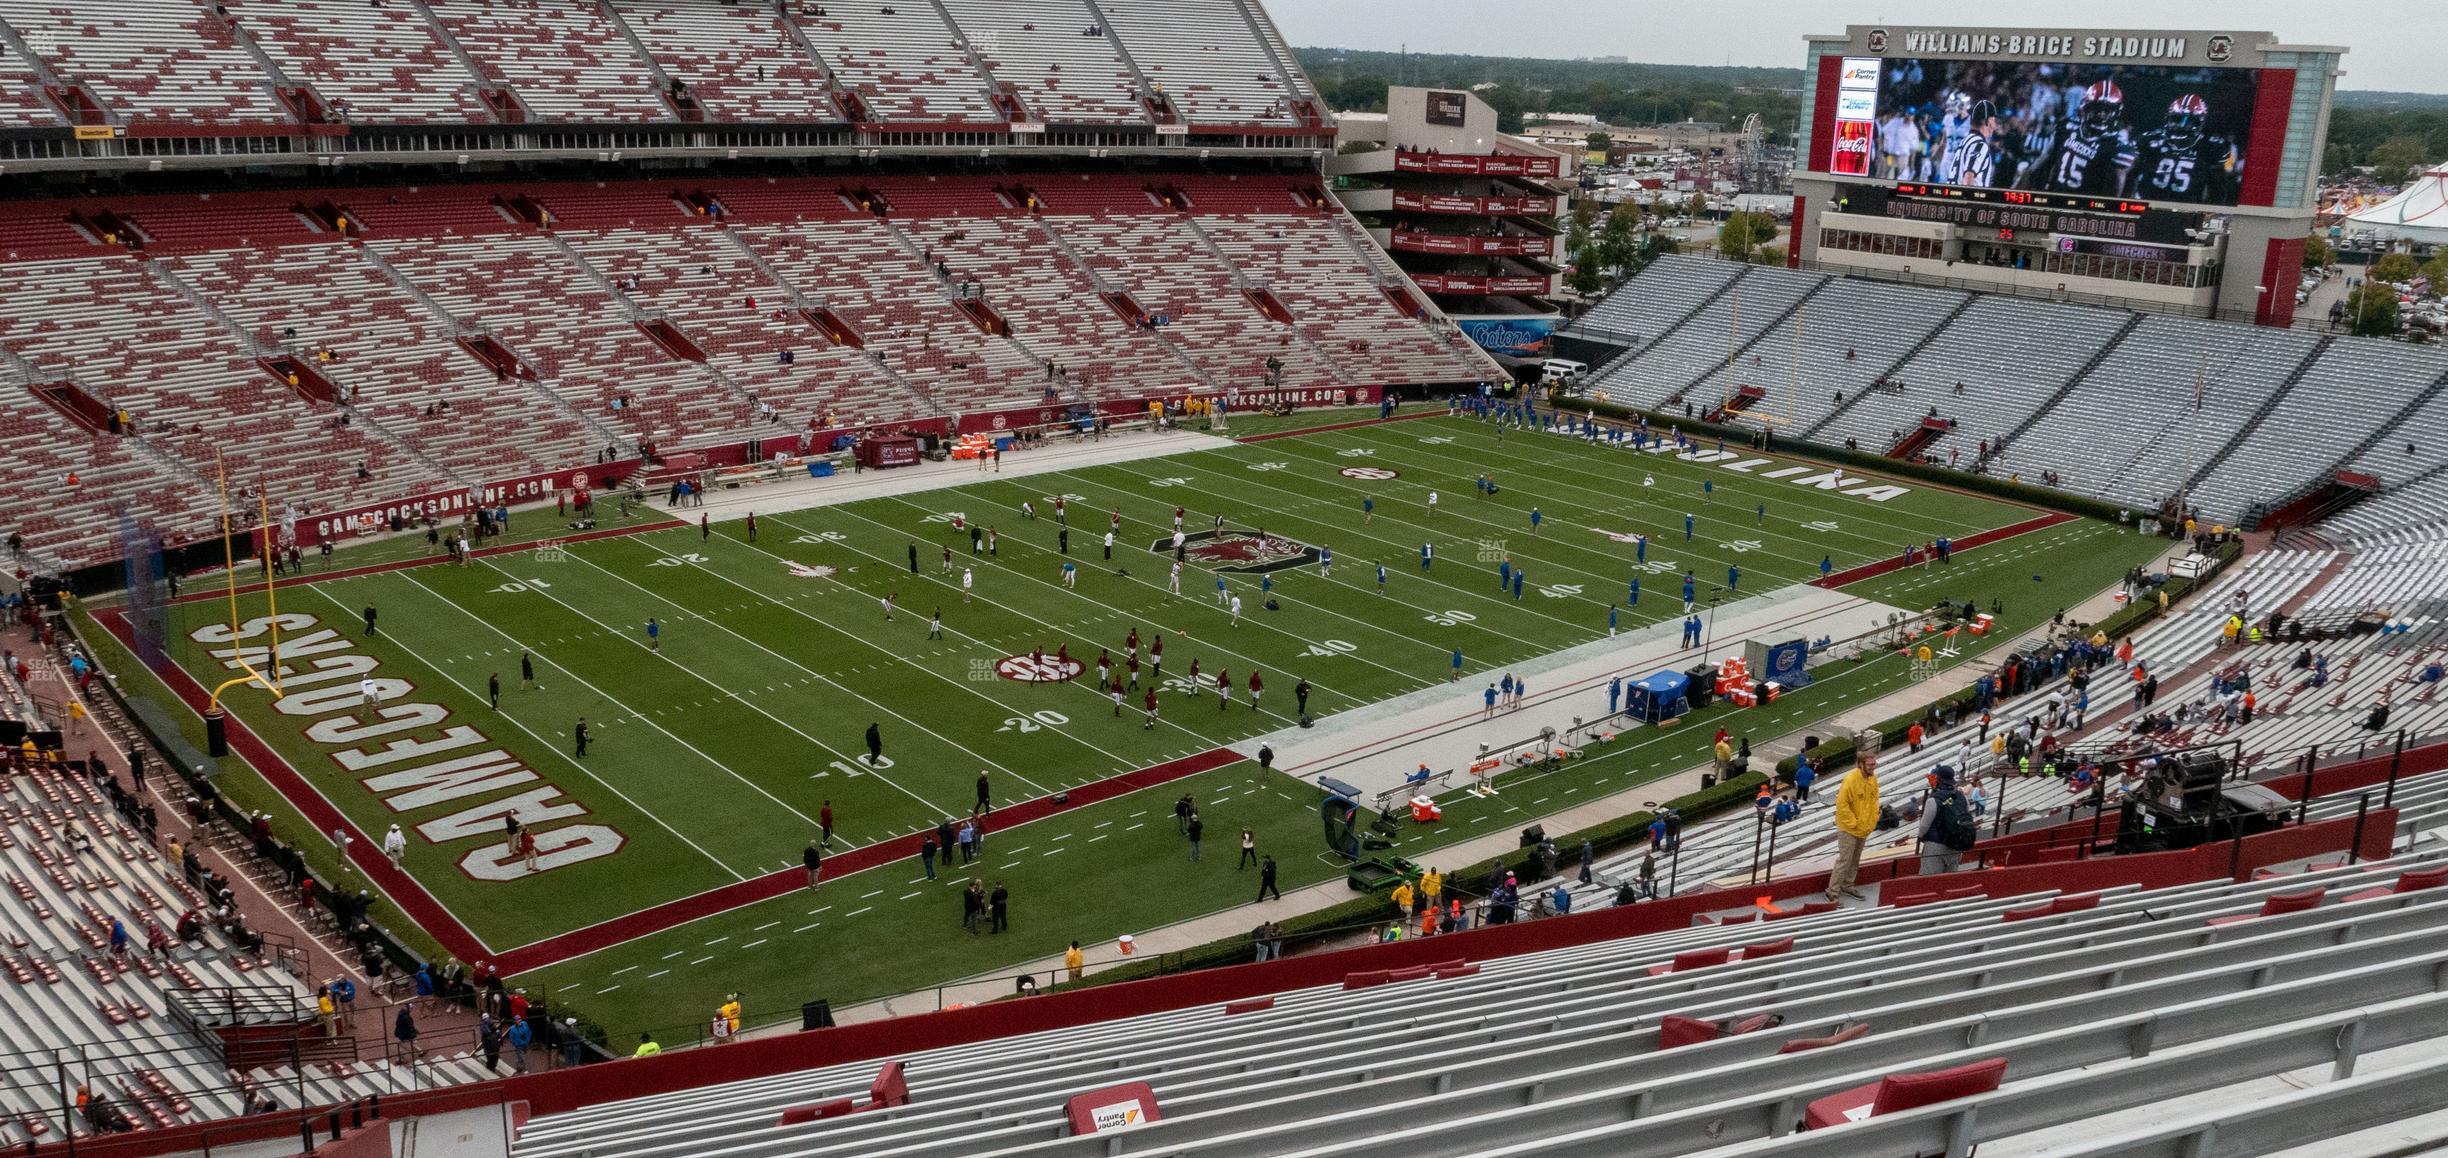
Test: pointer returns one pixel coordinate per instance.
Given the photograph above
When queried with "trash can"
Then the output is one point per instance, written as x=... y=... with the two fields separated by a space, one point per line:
x=817 y=1014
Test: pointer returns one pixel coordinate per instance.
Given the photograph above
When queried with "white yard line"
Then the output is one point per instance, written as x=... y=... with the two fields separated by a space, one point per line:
x=544 y=742
x=726 y=693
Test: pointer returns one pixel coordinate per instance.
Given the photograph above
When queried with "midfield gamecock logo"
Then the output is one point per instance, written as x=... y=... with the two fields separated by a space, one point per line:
x=1239 y=552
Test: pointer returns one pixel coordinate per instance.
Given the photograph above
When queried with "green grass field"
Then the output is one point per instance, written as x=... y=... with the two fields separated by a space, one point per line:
x=713 y=755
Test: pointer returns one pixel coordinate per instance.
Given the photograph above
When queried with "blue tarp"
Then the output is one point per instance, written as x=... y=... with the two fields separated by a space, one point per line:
x=1657 y=697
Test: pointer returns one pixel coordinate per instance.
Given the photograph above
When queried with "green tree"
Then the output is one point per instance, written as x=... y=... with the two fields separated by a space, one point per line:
x=1598 y=143
x=1359 y=94
x=1696 y=204
x=2394 y=267
x=2372 y=310
x=2318 y=253
x=2397 y=158
x=1618 y=244
x=2436 y=269
x=1743 y=234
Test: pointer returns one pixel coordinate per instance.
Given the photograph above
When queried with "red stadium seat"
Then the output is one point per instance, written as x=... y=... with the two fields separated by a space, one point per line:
x=2278 y=904
x=1678 y=1030
x=1763 y=949
x=1367 y=979
x=891 y=1087
x=2027 y=912
x=1414 y=973
x=1839 y=1037
x=1249 y=1005
x=1693 y=959
x=833 y=1109
x=1898 y=1092
x=2407 y=883
x=1812 y=909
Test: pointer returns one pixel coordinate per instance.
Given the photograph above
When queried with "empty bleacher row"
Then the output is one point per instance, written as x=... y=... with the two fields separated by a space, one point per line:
x=383 y=320
x=277 y=64
x=2232 y=416
x=2415 y=510
x=1622 y=1047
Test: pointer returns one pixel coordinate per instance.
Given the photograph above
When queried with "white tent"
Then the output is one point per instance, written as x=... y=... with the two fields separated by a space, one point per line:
x=2419 y=214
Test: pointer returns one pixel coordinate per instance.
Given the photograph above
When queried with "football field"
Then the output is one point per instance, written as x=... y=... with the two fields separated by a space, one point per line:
x=668 y=854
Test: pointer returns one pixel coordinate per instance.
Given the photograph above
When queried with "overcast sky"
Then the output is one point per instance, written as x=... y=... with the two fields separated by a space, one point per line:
x=2395 y=45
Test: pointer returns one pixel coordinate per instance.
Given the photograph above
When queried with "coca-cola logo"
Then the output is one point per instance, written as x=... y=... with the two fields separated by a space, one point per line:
x=1852 y=149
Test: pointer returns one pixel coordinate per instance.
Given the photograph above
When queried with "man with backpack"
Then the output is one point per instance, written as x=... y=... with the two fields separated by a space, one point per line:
x=1947 y=828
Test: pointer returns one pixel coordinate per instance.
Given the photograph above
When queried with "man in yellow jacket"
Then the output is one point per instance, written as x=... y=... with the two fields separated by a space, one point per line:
x=1432 y=886
x=1402 y=898
x=1857 y=813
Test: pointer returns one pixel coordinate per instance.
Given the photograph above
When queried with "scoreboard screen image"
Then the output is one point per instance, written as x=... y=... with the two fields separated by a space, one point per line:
x=2143 y=132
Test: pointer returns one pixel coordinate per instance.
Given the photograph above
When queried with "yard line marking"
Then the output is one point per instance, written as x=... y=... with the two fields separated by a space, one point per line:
x=1141 y=824
x=1104 y=612
x=1021 y=849
x=1908 y=524
x=673 y=953
x=765 y=926
x=859 y=637
x=867 y=909
x=551 y=744
x=1399 y=549
x=719 y=940
x=709 y=681
x=606 y=989
x=855 y=636
x=813 y=912
x=1108 y=824
x=877 y=893
x=618 y=972
x=1050 y=852
x=1152 y=585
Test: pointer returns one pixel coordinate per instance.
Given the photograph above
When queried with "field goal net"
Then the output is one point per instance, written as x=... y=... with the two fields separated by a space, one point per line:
x=148 y=591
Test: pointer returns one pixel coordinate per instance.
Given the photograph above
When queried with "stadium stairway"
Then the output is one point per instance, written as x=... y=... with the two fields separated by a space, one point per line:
x=1572 y=1047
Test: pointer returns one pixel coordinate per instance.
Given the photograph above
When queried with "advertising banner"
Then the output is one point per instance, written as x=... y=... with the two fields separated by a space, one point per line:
x=1513 y=337
x=338 y=525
